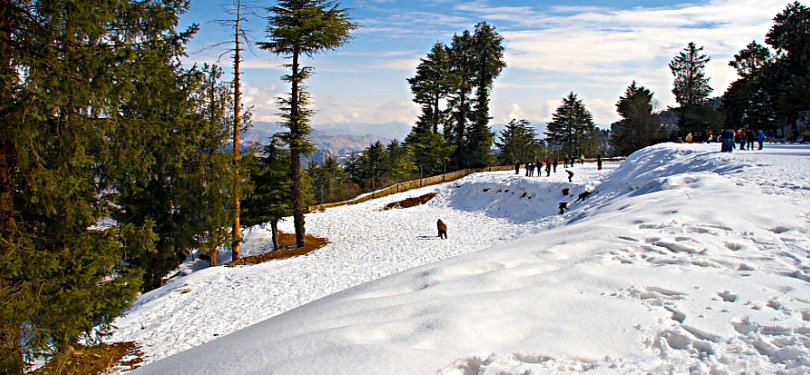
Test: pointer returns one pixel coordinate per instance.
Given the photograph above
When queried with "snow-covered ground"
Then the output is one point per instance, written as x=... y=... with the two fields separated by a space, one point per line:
x=683 y=260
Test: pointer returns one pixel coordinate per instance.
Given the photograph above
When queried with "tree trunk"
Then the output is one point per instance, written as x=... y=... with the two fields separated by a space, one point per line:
x=237 y=228
x=295 y=154
x=274 y=232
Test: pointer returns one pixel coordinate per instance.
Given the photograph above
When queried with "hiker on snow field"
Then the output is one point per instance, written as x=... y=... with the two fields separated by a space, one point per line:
x=570 y=174
x=599 y=162
x=727 y=140
x=442 y=229
x=517 y=167
x=760 y=138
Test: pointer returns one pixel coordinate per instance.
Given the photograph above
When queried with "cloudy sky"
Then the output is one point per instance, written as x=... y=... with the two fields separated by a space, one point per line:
x=593 y=48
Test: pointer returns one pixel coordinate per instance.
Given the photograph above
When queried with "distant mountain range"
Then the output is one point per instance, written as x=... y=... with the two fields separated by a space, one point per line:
x=328 y=142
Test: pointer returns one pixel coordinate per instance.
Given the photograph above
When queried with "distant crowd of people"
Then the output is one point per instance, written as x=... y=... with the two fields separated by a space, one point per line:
x=746 y=139
x=550 y=166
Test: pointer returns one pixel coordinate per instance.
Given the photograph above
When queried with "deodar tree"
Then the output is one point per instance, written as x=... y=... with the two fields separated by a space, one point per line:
x=691 y=89
x=67 y=145
x=296 y=29
x=571 y=124
x=639 y=126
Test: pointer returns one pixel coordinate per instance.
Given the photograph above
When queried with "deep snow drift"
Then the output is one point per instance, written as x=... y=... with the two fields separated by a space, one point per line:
x=684 y=259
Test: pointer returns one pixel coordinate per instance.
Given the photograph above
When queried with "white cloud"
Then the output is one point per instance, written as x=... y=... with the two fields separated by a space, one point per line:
x=594 y=51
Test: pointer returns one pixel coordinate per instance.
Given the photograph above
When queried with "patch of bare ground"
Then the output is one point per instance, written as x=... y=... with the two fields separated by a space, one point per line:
x=94 y=359
x=288 y=250
x=410 y=202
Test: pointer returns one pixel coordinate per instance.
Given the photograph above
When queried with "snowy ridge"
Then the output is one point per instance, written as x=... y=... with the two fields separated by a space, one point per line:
x=684 y=260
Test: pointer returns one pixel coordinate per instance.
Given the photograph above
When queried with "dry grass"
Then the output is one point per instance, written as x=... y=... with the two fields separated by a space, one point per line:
x=410 y=202
x=94 y=359
x=286 y=241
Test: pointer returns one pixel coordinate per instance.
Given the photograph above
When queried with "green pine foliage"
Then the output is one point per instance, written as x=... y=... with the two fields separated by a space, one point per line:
x=330 y=181
x=639 y=126
x=296 y=29
x=518 y=143
x=571 y=125
x=71 y=75
x=453 y=85
x=271 y=198
x=430 y=88
x=691 y=84
x=430 y=153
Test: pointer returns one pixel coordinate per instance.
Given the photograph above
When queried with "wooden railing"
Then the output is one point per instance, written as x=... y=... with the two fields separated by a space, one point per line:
x=409 y=185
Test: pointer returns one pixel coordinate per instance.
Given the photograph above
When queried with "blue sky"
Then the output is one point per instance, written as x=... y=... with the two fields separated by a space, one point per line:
x=593 y=48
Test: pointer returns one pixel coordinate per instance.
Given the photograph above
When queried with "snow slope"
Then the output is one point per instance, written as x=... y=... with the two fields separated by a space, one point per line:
x=684 y=259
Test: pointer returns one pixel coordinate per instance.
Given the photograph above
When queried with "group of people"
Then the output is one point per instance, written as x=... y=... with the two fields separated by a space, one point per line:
x=746 y=138
x=551 y=165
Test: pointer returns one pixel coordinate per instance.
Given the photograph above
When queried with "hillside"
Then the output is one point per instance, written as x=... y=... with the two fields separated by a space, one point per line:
x=684 y=259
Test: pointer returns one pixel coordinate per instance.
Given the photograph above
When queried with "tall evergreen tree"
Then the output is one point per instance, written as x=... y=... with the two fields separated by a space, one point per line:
x=329 y=180
x=373 y=164
x=517 y=143
x=691 y=89
x=748 y=101
x=788 y=80
x=571 y=124
x=430 y=87
x=302 y=28
x=691 y=84
x=62 y=273
x=269 y=202
x=639 y=126
x=487 y=64
x=430 y=153
x=460 y=102
x=399 y=166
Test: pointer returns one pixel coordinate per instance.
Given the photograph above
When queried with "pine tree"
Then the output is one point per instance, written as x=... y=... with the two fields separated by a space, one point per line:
x=460 y=102
x=270 y=200
x=329 y=180
x=487 y=64
x=788 y=79
x=571 y=124
x=63 y=274
x=430 y=153
x=517 y=143
x=691 y=89
x=639 y=126
x=302 y=28
x=748 y=102
x=373 y=165
x=399 y=166
x=430 y=87
x=691 y=84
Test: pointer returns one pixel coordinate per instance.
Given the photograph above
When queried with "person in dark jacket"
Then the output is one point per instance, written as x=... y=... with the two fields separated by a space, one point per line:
x=727 y=140
x=442 y=229
x=599 y=162
x=570 y=174
x=517 y=167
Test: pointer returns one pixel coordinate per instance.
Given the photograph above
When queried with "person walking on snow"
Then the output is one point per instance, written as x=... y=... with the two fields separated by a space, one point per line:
x=517 y=167
x=599 y=162
x=727 y=140
x=570 y=174
x=554 y=165
x=442 y=229
x=760 y=138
